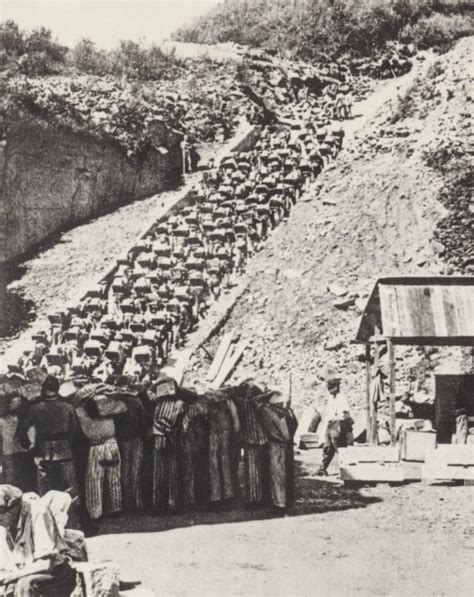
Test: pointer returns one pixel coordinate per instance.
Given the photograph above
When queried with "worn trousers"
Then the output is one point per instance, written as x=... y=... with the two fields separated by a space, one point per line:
x=165 y=477
x=131 y=455
x=55 y=474
x=103 y=488
x=254 y=467
x=336 y=440
x=220 y=467
x=278 y=480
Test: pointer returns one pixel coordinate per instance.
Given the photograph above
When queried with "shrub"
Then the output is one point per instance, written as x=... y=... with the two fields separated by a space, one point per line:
x=319 y=28
x=88 y=59
x=438 y=30
x=33 y=54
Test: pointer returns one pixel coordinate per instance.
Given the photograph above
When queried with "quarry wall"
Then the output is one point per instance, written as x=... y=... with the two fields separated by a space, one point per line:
x=53 y=179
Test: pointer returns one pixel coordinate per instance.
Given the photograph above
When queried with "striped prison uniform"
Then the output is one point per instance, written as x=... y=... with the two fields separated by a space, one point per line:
x=166 y=422
x=102 y=486
x=194 y=447
x=223 y=426
x=131 y=455
x=103 y=489
x=254 y=444
x=279 y=424
x=131 y=429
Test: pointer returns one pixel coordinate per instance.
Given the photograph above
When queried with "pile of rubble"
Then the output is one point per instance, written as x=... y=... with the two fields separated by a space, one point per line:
x=205 y=100
x=111 y=110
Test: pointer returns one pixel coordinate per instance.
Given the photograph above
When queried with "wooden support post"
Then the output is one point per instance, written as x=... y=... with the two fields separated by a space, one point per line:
x=374 y=406
x=391 y=363
x=368 y=432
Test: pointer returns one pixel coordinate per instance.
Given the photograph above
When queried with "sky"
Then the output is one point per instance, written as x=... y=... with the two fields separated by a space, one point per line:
x=104 y=21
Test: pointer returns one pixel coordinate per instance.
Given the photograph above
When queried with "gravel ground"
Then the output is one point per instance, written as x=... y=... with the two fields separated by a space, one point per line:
x=400 y=541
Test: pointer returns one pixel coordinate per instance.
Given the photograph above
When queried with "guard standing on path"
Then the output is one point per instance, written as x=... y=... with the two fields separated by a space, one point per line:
x=338 y=423
x=55 y=424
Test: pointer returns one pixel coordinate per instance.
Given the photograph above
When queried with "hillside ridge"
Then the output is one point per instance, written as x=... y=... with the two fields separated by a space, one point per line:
x=379 y=213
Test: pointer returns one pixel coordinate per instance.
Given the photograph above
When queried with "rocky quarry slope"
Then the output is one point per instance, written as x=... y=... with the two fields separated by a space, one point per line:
x=396 y=202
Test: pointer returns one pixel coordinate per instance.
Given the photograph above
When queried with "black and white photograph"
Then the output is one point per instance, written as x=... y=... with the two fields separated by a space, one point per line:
x=236 y=298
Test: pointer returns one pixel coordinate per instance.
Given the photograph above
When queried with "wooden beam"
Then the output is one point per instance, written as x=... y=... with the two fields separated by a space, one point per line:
x=391 y=364
x=378 y=338
x=368 y=428
x=373 y=440
x=229 y=364
x=220 y=356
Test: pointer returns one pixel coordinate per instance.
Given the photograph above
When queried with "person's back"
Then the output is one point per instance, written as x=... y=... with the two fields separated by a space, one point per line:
x=52 y=417
x=55 y=425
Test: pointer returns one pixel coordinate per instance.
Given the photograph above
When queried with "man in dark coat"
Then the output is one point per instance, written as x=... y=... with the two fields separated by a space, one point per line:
x=195 y=454
x=55 y=424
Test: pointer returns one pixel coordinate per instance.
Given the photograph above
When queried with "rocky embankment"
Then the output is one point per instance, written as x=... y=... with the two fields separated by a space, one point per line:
x=53 y=179
x=380 y=212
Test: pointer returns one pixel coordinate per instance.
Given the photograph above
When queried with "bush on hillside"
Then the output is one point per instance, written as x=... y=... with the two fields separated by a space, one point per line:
x=36 y=53
x=438 y=30
x=330 y=28
x=130 y=59
x=32 y=54
x=87 y=58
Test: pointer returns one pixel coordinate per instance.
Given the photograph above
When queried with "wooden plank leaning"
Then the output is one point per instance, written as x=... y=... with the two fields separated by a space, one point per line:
x=220 y=355
x=228 y=365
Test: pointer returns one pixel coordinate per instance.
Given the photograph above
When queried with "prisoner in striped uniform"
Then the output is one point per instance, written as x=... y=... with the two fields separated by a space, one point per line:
x=279 y=424
x=103 y=490
x=131 y=427
x=254 y=443
x=194 y=446
x=224 y=425
x=168 y=415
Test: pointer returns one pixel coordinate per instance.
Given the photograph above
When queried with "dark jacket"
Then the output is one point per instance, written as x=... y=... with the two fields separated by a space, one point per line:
x=55 y=423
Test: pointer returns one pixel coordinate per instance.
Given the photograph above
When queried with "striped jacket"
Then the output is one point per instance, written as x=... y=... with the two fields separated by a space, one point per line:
x=251 y=430
x=167 y=417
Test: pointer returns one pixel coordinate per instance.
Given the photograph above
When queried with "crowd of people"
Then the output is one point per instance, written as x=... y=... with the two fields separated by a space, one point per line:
x=164 y=447
x=109 y=421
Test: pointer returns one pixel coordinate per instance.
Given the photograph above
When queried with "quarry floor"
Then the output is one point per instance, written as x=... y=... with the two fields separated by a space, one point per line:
x=399 y=541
